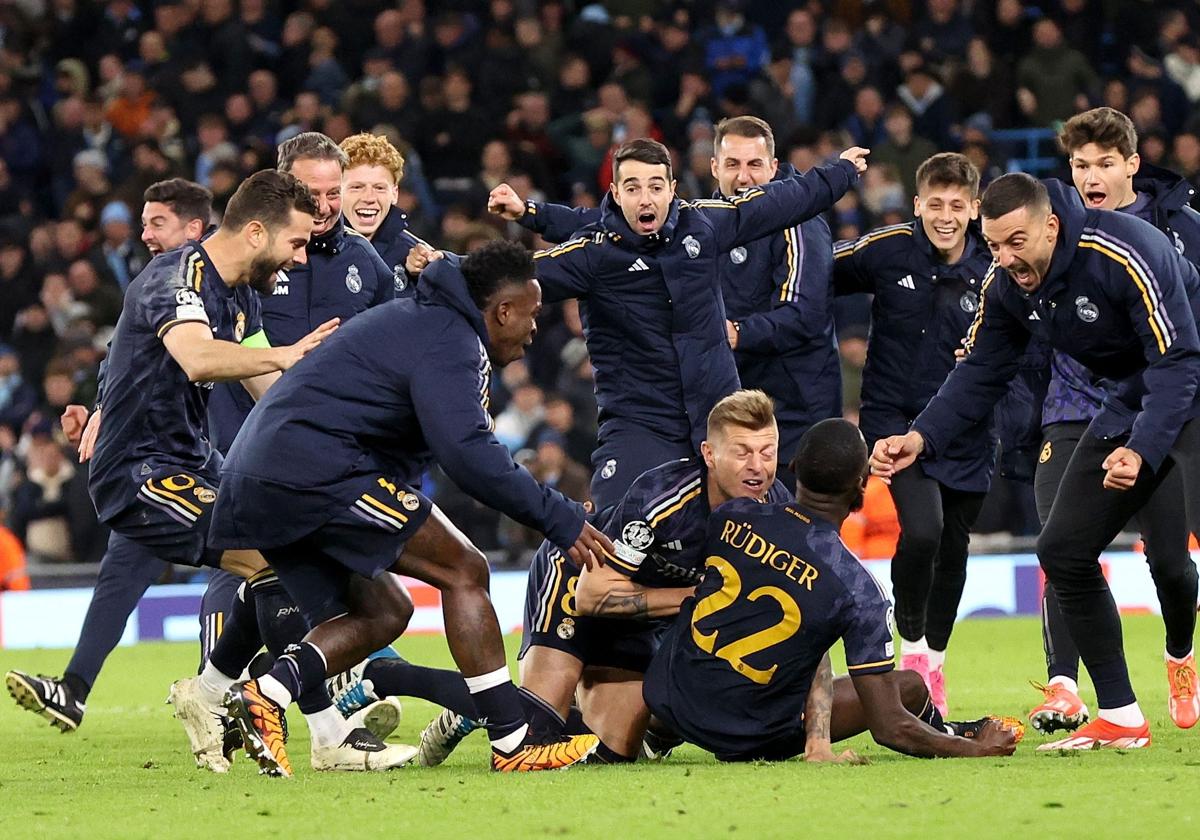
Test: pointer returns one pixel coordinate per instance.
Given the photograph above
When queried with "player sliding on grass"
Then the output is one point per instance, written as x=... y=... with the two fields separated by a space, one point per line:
x=320 y=479
x=779 y=589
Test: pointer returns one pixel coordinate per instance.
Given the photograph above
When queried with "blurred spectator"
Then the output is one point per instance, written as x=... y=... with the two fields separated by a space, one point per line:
x=18 y=398
x=865 y=124
x=943 y=32
x=902 y=149
x=734 y=49
x=120 y=254
x=524 y=411
x=800 y=41
x=1055 y=79
x=924 y=95
x=39 y=507
x=102 y=300
x=871 y=532
x=13 y=576
x=92 y=188
x=130 y=109
x=983 y=86
x=35 y=340
x=18 y=283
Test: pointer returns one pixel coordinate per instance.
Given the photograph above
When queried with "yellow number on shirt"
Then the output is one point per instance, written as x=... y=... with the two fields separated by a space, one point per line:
x=735 y=652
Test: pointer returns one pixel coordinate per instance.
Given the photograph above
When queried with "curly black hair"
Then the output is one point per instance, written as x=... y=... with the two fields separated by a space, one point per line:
x=493 y=265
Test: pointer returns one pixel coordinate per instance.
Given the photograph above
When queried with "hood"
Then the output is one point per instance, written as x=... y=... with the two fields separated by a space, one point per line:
x=612 y=220
x=1068 y=206
x=330 y=241
x=442 y=284
x=1167 y=190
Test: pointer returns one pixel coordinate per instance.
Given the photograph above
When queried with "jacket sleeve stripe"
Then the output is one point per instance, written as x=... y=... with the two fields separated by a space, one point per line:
x=843 y=249
x=564 y=248
x=1164 y=334
x=973 y=330
x=790 y=291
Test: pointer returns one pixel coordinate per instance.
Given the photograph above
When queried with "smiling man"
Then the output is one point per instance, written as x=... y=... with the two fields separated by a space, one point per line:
x=926 y=277
x=1109 y=175
x=370 y=188
x=1114 y=294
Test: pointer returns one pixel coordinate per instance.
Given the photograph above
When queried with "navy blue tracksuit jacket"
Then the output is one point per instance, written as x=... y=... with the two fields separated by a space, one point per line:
x=920 y=314
x=393 y=240
x=1118 y=299
x=343 y=277
x=778 y=289
x=651 y=305
x=397 y=387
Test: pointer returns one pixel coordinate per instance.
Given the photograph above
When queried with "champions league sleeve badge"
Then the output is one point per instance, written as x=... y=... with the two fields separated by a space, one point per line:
x=353 y=281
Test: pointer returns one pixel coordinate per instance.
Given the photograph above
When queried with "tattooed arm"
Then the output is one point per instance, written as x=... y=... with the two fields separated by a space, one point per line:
x=817 y=746
x=605 y=592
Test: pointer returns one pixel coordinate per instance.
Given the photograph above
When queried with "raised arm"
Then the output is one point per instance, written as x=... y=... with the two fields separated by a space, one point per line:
x=782 y=204
x=553 y=222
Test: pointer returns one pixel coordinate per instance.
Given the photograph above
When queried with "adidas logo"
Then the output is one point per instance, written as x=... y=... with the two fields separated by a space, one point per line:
x=1033 y=316
x=907 y=282
x=638 y=265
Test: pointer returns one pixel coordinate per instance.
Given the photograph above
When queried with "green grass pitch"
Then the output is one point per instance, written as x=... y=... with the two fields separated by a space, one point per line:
x=127 y=772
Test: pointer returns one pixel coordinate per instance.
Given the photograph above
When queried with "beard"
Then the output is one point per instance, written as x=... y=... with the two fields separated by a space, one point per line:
x=262 y=275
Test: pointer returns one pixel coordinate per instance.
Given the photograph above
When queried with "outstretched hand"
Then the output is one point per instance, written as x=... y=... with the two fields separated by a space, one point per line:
x=895 y=453
x=591 y=547
x=858 y=156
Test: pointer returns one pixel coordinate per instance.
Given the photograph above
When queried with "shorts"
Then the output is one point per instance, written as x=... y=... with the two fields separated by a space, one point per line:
x=551 y=620
x=170 y=518
x=781 y=748
x=365 y=539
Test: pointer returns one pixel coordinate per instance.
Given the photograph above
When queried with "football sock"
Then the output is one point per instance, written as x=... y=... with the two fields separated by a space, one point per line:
x=1130 y=715
x=1066 y=682
x=498 y=703
x=937 y=658
x=294 y=674
x=239 y=640
x=395 y=677
x=604 y=754
x=213 y=684
x=326 y=728
x=919 y=647
x=932 y=716
x=545 y=724
x=575 y=724
x=76 y=686
x=1178 y=660
x=279 y=619
x=215 y=607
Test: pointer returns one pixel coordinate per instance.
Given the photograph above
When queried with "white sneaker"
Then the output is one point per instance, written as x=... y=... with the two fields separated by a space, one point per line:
x=380 y=718
x=202 y=723
x=362 y=751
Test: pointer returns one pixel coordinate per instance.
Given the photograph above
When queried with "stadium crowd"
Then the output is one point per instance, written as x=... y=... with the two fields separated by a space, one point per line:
x=100 y=100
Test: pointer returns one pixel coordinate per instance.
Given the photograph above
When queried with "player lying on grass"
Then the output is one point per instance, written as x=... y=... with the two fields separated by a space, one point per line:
x=779 y=589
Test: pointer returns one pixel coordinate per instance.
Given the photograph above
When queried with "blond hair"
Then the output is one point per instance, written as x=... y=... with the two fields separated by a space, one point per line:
x=374 y=150
x=747 y=409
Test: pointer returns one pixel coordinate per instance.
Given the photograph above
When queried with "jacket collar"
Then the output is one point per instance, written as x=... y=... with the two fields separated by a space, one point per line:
x=612 y=220
x=329 y=242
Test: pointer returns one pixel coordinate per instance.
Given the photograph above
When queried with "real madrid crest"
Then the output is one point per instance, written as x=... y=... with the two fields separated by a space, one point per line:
x=637 y=535
x=239 y=327
x=691 y=246
x=399 y=278
x=609 y=469
x=353 y=281
x=1178 y=242
x=205 y=496
x=408 y=501
x=969 y=302
x=737 y=256
x=1087 y=311
x=566 y=628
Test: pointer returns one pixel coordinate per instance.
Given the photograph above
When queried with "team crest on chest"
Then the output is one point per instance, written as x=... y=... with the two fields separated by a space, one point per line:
x=239 y=327
x=1087 y=311
x=969 y=302
x=737 y=256
x=609 y=469
x=691 y=246
x=353 y=281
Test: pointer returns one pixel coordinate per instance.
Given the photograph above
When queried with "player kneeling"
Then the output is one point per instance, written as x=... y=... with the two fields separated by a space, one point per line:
x=734 y=672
